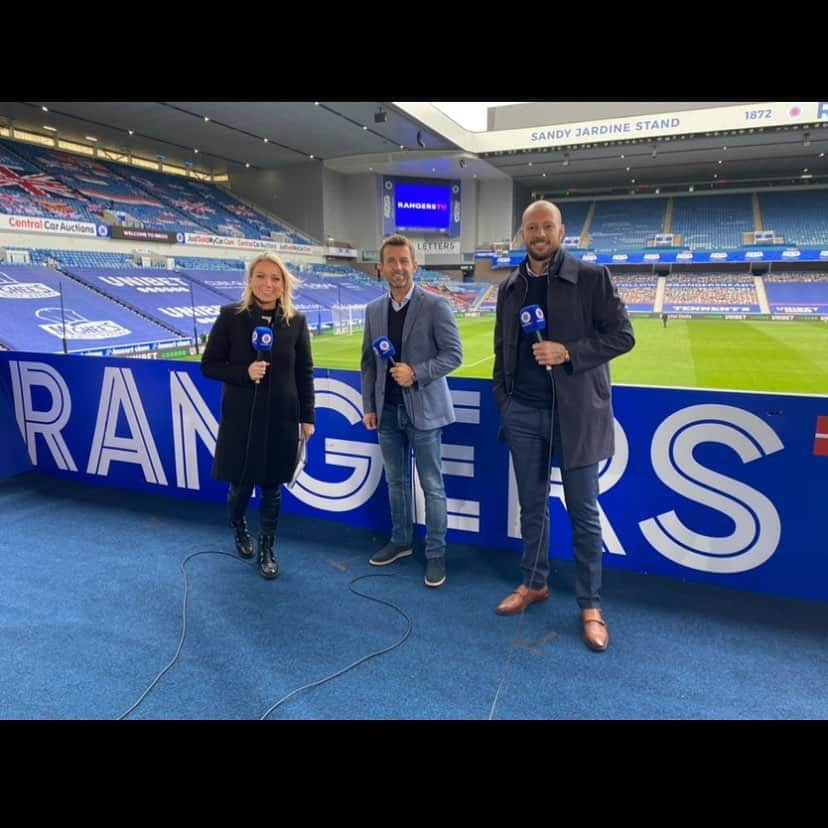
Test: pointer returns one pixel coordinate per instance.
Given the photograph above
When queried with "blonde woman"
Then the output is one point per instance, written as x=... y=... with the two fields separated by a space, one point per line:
x=266 y=405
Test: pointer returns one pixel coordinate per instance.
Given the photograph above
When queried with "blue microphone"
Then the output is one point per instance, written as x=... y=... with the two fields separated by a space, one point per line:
x=385 y=349
x=262 y=342
x=533 y=321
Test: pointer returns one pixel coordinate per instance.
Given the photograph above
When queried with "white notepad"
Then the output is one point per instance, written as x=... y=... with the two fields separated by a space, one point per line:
x=301 y=459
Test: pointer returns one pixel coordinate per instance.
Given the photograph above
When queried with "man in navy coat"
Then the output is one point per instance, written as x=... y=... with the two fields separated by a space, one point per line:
x=553 y=392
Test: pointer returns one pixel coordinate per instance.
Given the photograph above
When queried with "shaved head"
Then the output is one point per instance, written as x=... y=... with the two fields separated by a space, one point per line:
x=543 y=232
x=543 y=207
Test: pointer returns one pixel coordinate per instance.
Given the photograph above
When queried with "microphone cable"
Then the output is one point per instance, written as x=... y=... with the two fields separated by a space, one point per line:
x=318 y=682
x=249 y=434
x=516 y=638
x=251 y=417
x=361 y=660
x=183 y=635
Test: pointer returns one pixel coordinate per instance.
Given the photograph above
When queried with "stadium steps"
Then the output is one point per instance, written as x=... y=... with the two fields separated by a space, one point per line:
x=584 y=242
x=658 y=305
x=475 y=305
x=759 y=284
x=757 y=216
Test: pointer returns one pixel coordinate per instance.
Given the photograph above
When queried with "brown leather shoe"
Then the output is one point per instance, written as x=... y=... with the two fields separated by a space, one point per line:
x=520 y=599
x=596 y=634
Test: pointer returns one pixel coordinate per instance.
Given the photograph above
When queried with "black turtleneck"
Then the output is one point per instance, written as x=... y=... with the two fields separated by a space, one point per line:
x=271 y=317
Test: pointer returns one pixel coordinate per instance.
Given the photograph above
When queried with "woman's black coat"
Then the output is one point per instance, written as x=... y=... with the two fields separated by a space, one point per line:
x=259 y=428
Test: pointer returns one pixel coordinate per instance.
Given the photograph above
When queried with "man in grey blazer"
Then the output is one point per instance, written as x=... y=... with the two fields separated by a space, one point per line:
x=407 y=399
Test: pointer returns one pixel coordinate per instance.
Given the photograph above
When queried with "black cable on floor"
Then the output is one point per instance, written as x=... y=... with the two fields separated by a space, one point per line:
x=183 y=626
x=270 y=709
x=359 y=660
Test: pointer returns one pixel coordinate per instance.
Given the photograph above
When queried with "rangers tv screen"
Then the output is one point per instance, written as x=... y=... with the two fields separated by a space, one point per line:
x=422 y=206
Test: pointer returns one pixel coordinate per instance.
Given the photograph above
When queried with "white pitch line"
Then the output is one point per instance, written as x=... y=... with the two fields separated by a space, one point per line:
x=491 y=356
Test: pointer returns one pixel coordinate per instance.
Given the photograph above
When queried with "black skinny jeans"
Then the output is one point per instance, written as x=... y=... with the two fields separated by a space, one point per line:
x=238 y=497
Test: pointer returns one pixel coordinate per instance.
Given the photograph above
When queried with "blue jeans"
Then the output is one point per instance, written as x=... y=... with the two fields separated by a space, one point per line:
x=397 y=436
x=528 y=432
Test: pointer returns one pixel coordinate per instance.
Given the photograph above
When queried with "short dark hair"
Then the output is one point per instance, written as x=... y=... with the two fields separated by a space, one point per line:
x=397 y=240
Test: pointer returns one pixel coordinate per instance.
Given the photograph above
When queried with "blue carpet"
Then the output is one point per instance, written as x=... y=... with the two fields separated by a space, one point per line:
x=92 y=612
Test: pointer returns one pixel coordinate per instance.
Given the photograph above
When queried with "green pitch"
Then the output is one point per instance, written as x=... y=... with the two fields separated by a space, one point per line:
x=697 y=353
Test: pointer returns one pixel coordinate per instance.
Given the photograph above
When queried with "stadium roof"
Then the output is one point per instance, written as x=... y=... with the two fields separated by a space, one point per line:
x=666 y=146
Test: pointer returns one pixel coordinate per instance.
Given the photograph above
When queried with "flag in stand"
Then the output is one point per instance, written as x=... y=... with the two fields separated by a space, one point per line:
x=39 y=184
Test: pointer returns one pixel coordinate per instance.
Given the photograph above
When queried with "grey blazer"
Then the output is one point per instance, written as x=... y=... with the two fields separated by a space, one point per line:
x=430 y=345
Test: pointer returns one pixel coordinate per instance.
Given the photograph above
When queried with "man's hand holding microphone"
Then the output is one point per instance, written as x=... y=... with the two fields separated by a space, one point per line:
x=546 y=352
x=402 y=373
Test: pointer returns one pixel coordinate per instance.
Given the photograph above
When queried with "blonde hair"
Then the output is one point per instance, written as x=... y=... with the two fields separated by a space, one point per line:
x=289 y=281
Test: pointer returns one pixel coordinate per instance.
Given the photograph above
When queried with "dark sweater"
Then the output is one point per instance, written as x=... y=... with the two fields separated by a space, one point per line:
x=532 y=385
x=396 y=320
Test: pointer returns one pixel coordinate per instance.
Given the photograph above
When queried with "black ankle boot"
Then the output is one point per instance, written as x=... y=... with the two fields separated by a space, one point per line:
x=268 y=565
x=244 y=543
